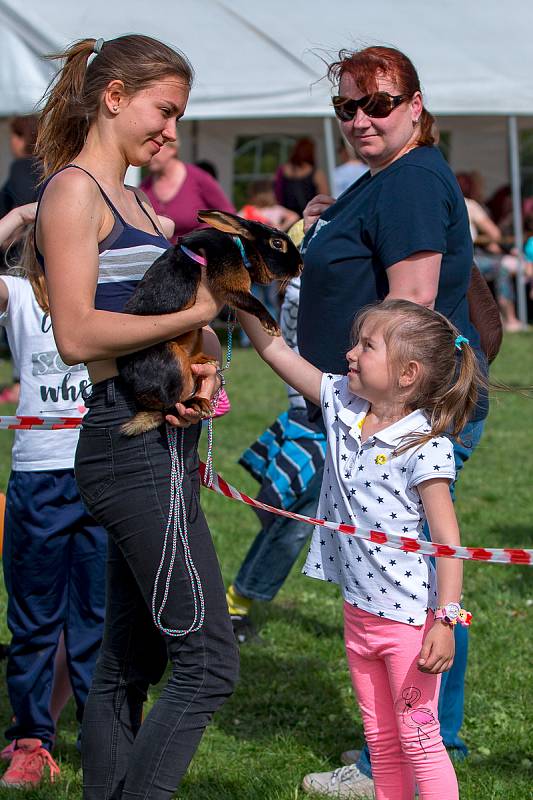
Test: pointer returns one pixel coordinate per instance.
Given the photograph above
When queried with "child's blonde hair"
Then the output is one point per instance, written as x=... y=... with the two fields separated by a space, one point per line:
x=449 y=382
x=27 y=266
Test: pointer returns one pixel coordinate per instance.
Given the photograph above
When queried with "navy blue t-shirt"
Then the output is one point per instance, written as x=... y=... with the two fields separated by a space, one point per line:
x=413 y=205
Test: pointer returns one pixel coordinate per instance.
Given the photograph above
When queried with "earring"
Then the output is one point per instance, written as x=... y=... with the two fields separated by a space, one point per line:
x=115 y=108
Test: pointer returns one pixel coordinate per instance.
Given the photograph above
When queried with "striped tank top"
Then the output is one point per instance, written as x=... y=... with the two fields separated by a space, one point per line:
x=123 y=256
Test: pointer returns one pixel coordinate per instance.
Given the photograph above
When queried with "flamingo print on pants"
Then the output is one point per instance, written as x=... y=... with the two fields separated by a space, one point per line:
x=416 y=718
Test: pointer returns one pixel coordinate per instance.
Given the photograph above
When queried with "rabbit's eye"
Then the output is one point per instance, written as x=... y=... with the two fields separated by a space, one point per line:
x=278 y=244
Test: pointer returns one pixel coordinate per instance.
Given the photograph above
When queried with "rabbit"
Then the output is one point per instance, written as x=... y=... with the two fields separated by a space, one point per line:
x=239 y=252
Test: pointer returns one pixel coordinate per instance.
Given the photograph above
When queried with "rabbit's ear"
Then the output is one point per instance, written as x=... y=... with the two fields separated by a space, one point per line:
x=225 y=222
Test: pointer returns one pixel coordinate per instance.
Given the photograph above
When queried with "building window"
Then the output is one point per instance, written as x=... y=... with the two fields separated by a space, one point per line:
x=257 y=158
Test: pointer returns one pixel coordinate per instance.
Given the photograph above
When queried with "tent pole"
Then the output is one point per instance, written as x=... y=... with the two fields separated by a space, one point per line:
x=514 y=164
x=329 y=142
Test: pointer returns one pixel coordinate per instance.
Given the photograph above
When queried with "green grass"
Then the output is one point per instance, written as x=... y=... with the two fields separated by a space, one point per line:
x=294 y=711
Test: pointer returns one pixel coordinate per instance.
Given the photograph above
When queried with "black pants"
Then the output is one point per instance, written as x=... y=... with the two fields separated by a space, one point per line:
x=125 y=483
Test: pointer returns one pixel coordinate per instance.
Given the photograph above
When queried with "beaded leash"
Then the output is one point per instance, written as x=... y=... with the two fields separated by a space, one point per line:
x=177 y=525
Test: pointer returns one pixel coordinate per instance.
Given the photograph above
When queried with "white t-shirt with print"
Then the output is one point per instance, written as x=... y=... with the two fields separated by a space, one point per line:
x=48 y=387
x=368 y=486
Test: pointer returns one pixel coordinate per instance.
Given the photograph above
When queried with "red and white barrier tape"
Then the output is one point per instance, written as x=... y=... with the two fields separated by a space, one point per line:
x=495 y=555
x=26 y=423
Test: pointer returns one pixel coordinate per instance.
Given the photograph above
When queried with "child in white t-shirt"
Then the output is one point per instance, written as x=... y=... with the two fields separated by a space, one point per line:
x=54 y=552
x=412 y=382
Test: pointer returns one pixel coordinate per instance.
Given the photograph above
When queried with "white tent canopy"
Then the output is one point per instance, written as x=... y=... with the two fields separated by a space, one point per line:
x=262 y=60
x=256 y=60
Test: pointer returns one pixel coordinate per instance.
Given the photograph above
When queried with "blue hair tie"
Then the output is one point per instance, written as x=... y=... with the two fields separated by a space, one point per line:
x=459 y=340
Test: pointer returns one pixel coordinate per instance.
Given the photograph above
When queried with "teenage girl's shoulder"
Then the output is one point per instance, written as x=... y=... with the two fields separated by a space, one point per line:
x=71 y=200
x=70 y=192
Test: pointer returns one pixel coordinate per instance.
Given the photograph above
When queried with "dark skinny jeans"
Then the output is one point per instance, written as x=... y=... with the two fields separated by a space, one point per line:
x=125 y=483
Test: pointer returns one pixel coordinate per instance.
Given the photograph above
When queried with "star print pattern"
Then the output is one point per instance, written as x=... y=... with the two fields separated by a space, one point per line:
x=389 y=583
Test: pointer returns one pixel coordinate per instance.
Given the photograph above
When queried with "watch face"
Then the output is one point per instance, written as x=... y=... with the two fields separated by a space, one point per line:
x=452 y=610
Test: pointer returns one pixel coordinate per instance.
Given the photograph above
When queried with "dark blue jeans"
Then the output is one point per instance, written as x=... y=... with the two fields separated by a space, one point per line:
x=54 y=561
x=275 y=548
x=126 y=484
x=452 y=687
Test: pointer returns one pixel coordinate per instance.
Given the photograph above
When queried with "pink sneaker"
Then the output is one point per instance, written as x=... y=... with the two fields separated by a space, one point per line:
x=27 y=765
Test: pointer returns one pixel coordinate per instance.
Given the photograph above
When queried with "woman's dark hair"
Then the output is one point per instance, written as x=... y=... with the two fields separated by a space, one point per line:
x=73 y=98
x=366 y=66
x=303 y=152
x=26 y=128
x=208 y=167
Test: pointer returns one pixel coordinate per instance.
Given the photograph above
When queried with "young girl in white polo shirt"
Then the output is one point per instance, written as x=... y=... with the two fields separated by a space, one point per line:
x=412 y=383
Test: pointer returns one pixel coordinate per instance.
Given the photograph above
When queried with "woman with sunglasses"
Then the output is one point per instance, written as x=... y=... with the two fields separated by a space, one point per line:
x=400 y=231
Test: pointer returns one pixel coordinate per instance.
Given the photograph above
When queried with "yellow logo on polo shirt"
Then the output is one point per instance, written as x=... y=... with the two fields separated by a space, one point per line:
x=381 y=459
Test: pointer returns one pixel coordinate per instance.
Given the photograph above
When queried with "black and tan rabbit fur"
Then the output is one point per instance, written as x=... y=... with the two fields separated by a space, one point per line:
x=160 y=376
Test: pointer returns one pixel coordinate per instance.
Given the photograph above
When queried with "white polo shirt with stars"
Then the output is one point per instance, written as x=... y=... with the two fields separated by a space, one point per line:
x=366 y=485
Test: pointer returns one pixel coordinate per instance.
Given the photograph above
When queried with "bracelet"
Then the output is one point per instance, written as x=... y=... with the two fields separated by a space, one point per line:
x=452 y=613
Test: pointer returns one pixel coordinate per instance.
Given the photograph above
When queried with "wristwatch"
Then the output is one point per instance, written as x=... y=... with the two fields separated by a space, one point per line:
x=448 y=613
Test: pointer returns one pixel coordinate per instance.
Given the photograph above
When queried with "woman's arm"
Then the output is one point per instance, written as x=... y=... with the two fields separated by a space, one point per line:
x=416 y=278
x=14 y=221
x=290 y=366
x=439 y=647
x=321 y=182
x=484 y=224
x=207 y=380
x=70 y=220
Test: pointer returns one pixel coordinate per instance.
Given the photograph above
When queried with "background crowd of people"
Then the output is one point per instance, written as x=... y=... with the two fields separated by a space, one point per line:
x=419 y=230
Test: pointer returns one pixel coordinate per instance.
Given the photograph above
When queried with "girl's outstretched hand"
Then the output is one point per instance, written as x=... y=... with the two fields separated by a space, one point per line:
x=438 y=649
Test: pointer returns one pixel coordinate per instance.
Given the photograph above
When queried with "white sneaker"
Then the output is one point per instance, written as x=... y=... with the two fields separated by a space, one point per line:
x=345 y=782
x=350 y=757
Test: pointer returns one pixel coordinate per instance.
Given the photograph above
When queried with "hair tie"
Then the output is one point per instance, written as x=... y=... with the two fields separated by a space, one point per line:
x=459 y=340
x=97 y=47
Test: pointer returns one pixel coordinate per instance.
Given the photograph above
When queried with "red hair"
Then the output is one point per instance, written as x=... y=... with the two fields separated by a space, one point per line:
x=466 y=184
x=366 y=66
x=303 y=152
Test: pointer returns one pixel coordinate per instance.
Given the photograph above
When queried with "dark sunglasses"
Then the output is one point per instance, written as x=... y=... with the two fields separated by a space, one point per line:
x=379 y=105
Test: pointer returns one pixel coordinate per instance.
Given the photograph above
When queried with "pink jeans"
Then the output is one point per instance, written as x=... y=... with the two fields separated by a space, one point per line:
x=399 y=708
